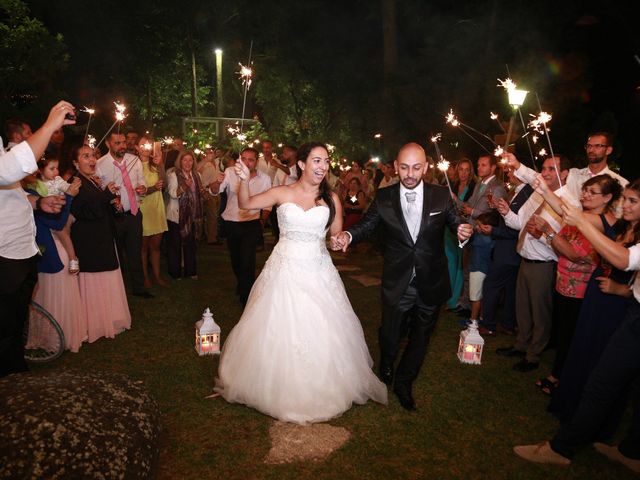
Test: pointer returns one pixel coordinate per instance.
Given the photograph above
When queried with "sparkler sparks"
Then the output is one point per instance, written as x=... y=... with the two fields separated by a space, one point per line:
x=120 y=109
x=493 y=116
x=539 y=123
x=443 y=165
x=507 y=84
x=246 y=75
x=452 y=119
x=498 y=152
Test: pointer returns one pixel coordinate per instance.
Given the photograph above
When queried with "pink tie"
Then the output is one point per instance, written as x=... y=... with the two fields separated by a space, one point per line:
x=133 y=204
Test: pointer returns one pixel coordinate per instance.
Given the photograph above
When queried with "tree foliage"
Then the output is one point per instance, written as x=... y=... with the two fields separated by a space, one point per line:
x=31 y=56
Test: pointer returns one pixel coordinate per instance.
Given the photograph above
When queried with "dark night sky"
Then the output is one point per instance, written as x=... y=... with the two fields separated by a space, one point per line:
x=579 y=56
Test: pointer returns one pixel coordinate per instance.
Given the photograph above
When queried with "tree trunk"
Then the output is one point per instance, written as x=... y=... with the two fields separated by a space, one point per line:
x=389 y=63
x=194 y=84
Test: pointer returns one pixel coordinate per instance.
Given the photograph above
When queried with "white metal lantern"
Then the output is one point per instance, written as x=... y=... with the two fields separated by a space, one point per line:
x=207 y=335
x=471 y=344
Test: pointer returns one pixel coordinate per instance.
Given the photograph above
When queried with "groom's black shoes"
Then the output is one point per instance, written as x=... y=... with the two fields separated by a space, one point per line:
x=404 y=397
x=386 y=374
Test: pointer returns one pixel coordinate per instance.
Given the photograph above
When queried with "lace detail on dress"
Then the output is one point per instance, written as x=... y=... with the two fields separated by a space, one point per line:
x=300 y=236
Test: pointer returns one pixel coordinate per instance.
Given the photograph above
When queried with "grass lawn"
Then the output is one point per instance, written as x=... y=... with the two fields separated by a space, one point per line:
x=468 y=418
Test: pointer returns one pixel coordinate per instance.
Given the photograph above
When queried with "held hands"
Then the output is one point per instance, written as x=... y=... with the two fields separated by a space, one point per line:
x=340 y=241
x=501 y=205
x=464 y=232
x=532 y=229
x=242 y=171
x=484 y=229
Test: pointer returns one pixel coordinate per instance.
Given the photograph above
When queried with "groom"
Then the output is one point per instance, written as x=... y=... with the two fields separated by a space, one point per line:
x=415 y=280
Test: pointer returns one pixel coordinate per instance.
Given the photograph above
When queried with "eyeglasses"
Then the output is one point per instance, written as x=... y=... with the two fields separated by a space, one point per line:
x=591 y=192
x=595 y=145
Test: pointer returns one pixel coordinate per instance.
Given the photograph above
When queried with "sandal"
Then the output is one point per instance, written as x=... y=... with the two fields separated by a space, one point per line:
x=74 y=266
x=547 y=386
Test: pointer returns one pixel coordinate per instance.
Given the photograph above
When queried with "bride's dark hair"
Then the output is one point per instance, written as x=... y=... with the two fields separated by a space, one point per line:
x=324 y=192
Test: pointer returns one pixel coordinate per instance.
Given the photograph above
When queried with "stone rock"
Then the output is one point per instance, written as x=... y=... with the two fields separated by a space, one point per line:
x=77 y=425
x=293 y=443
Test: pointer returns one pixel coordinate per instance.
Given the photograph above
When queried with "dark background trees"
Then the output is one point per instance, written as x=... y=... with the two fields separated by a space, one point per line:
x=343 y=71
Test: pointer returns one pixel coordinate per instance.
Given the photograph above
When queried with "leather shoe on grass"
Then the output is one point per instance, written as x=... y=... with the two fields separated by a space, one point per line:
x=613 y=453
x=485 y=332
x=510 y=352
x=386 y=375
x=405 y=398
x=541 y=453
x=525 y=365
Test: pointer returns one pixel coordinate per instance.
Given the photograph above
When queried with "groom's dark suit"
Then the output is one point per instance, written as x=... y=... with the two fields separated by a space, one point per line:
x=410 y=304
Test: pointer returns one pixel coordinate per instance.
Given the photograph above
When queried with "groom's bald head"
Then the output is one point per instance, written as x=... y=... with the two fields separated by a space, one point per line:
x=410 y=165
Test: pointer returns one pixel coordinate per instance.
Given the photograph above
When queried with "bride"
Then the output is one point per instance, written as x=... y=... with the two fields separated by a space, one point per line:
x=298 y=352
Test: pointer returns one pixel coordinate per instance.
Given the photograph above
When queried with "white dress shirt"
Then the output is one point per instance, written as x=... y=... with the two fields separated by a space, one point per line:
x=17 y=227
x=231 y=183
x=413 y=219
x=108 y=172
x=575 y=179
x=533 y=248
x=208 y=171
x=282 y=178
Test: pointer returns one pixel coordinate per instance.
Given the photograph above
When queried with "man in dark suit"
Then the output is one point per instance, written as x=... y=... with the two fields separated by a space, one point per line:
x=415 y=281
x=503 y=271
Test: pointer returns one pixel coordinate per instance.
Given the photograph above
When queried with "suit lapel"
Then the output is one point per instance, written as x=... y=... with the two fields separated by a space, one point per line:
x=397 y=207
x=426 y=206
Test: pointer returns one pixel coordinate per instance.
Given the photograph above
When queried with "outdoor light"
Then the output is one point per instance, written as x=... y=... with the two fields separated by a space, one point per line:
x=207 y=335
x=470 y=345
x=516 y=97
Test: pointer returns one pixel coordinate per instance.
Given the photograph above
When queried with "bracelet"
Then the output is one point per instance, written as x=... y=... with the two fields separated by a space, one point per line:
x=550 y=237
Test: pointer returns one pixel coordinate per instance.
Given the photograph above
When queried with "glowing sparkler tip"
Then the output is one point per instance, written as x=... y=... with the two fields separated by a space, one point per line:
x=443 y=165
x=88 y=110
x=246 y=75
x=498 y=151
x=494 y=116
x=507 y=84
x=436 y=137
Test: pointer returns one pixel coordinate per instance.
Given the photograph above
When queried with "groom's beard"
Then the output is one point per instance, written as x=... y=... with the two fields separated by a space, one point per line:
x=410 y=182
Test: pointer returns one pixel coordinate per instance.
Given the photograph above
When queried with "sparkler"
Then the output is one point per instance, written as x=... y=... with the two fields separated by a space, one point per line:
x=453 y=120
x=120 y=116
x=246 y=74
x=494 y=116
x=91 y=141
x=443 y=166
x=90 y=111
x=539 y=124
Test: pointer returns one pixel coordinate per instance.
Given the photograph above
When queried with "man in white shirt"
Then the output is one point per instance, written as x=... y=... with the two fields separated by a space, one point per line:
x=268 y=162
x=18 y=249
x=243 y=227
x=125 y=170
x=534 y=289
x=390 y=176
x=617 y=370
x=598 y=148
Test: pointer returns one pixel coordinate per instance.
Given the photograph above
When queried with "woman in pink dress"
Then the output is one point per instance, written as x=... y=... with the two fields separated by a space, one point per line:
x=101 y=286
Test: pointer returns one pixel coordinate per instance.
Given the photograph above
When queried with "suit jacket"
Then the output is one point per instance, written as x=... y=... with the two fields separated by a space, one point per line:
x=479 y=201
x=504 y=250
x=93 y=231
x=401 y=253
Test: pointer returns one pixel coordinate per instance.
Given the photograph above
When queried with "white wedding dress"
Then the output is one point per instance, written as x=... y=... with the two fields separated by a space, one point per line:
x=298 y=352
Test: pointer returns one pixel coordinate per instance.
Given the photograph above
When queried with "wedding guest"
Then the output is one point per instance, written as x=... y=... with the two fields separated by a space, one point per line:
x=534 y=290
x=243 y=227
x=184 y=216
x=57 y=291
x=125 y=171
x=617 y=370
x=18 y=249
x=17 y=131
x=154 y=218
x=354 y=202
x=101 y=286
x=209 y=170
x=462 y=190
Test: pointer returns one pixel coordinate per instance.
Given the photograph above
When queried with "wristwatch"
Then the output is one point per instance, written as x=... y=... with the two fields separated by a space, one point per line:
x=550 y=237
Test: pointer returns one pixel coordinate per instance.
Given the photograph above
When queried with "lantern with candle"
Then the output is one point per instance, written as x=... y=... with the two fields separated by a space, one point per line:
x=207 y=335
x=471 y=344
